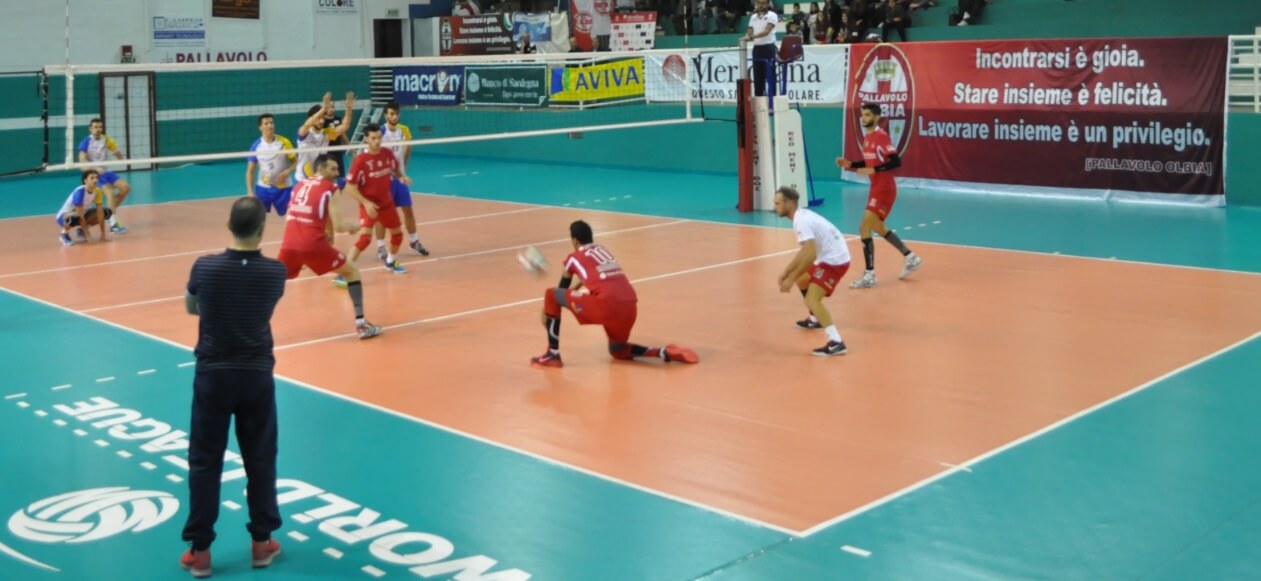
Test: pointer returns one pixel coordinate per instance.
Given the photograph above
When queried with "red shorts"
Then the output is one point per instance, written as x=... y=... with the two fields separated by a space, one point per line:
x=880 y=203
x=319 y=257
x=827 y=276
x=387 y=215
x=617 y=318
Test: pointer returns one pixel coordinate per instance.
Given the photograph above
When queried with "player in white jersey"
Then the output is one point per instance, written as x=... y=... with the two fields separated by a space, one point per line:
x=394 y=132
x=817 y=268
x=96 y=147
x=273 y=166
x=75 y=212
x=313 y=134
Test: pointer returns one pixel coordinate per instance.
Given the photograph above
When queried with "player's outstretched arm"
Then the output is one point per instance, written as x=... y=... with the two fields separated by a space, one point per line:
x=346 y=122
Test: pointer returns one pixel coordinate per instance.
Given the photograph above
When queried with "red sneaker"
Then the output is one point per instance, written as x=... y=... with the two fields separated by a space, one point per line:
x=548 y=359
x=681 y=354
x=196 y=563
x=264 y=552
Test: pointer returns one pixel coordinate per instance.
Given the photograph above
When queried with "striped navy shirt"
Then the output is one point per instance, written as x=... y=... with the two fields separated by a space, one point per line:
x=236 y=292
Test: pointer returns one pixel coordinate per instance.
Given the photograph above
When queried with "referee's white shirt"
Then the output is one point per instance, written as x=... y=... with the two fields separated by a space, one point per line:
x=758 y=23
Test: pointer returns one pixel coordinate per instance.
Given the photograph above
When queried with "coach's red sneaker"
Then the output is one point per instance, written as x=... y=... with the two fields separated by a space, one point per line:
x=548 y=359
x=265 y=552
x=196 y=563
x=681 y=354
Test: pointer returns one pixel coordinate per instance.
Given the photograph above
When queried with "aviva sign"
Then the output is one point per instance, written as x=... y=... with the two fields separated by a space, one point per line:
x=617 y=80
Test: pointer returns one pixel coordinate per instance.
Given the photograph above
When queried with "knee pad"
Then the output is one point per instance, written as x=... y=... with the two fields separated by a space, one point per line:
x=363 y=242
x=396 y=239
x=620 y=351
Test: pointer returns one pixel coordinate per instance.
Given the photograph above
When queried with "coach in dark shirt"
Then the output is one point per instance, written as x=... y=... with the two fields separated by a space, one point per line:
x=235 y=293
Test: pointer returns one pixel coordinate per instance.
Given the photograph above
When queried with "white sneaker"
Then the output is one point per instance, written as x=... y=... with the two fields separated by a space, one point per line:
x=913 y=262
x=867 y=281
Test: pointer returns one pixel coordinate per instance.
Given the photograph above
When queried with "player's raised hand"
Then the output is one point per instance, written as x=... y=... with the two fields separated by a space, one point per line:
x=328 y=99
x=844 y=163
x=350 y=99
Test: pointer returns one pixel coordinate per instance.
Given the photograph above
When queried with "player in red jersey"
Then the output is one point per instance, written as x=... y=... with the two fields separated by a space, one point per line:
x=879 y=158
x=601 y=296
x=310 y=225
x=370 y=174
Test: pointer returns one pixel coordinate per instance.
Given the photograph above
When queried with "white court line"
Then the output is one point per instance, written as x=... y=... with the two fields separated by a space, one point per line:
x=184 y=364
x=307 y=277
x=146 y=371
x=270 y=243
x=534 y=300
x=105 y=379
x=334 y=553
x=15 y=395
x=297 y=536
x=450 y=430
x=1012 y=444
x=956 y=466
x=61 y=387
x=856 y=551
x=375 y=572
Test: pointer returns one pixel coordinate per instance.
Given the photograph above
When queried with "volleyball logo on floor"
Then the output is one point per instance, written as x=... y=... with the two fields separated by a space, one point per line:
x=93 y=514
x=885 y=79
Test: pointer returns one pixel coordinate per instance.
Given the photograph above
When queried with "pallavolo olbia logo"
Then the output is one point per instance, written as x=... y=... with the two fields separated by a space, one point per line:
x=88 y=515
x=885 y=78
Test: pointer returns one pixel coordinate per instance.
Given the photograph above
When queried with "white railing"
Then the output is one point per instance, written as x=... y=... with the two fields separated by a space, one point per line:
x=1243 y=73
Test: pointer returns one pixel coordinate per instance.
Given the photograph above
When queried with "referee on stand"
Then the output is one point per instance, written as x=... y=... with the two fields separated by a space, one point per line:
x=235 y=293
x=762 y=33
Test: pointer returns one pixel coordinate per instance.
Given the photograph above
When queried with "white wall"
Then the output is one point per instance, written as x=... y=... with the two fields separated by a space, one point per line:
x=34 y=31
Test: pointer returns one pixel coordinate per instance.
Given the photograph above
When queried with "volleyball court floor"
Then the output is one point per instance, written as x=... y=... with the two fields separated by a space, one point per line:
x=1066 y=390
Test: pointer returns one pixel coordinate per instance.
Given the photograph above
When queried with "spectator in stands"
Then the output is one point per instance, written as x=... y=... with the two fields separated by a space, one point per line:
x=969 y=12
x=895 y=18
x=798 y=18
x=729 y=11
x=526 y=46
x=812 y=24
x=573 y=45
x=833 y=10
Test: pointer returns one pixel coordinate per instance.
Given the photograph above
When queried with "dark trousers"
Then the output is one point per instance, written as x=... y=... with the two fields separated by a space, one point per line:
x=218 y=395
x=764 y=66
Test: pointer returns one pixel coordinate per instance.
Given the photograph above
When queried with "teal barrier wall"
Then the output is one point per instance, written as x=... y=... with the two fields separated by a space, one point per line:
x=198 y=112
x=1243 y=172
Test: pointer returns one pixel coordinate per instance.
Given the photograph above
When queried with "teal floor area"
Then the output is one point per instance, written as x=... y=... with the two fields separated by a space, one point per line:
x=1164 y=484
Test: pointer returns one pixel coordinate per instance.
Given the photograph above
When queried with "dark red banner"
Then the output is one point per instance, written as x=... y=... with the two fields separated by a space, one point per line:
x=1135 y=115
x=483 y=34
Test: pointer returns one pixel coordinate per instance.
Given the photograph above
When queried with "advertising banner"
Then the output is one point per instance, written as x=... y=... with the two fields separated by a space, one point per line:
x=428 y=85
x=1099 y=116
x=518 y=86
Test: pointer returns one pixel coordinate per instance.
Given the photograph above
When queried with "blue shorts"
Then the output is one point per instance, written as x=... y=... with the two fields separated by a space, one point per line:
x=274 y=197
x=401 y=193
x=108 y=178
